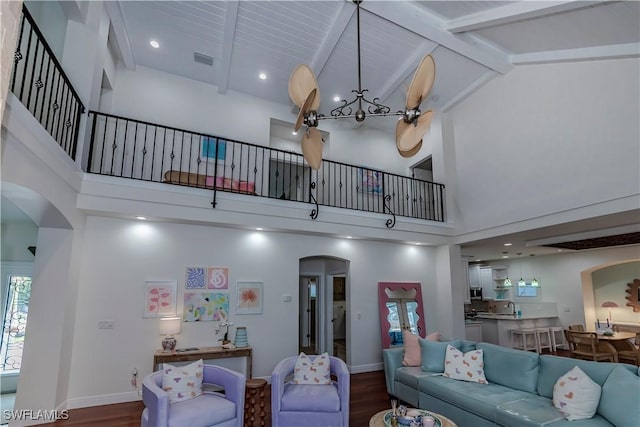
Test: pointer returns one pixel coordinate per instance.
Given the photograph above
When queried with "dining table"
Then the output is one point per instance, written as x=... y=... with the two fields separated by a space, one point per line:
x=618 y=340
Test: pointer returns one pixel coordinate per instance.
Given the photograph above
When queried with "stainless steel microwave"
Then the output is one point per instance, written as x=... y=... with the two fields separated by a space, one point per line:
x=475 y=293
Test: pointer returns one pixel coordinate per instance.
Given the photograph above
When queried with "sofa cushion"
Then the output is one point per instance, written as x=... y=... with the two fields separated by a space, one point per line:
x=467 y=346
x=410 y=375
x=553 y=367
x=464 y=366
x=202 y=411
x=620 y=400
x=433 y=353
x=479 y=399
x=314 y=398
x=576 y=395
x=511 y=368
x=182 y=382
x=532 y=411
x=312 y=372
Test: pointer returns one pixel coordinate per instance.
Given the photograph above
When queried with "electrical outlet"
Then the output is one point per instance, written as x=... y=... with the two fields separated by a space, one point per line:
x=134 y=377
x=105 y=324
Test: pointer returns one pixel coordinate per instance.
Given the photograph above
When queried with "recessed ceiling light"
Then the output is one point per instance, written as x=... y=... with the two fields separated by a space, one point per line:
x=259 y=228
x=508 y=244
x=141 y=218
x=348 y=237
x=336 y=98
x=294 y=133
x=417 y=243
x=154 y=44
x=263 y=76
x=505 y=256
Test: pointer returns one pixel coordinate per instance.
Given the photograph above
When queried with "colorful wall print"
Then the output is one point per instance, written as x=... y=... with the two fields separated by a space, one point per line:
x=371 y=181
x=196 y=278
x=218 y=278
x=159 y=298
x=206 y=306
x=209 y=148
x=249 y=298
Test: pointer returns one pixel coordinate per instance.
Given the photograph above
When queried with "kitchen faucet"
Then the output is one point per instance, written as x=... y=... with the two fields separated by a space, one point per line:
x=514 y=306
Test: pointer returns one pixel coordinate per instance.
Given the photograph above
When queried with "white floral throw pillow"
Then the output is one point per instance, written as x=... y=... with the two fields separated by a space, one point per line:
x=182 y=382
x=317 y=371
x=576 y=395
x=466 y=367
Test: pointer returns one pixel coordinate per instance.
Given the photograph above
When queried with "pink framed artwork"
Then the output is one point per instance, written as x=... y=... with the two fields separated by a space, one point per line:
x=159 y=298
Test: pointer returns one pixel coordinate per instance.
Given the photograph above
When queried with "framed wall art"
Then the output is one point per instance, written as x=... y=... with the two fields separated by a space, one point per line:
x=370 y=181
x=159 y=298
x=249 y=298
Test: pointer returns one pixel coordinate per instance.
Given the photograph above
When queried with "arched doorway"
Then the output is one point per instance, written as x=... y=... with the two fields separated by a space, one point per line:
x=324 y=306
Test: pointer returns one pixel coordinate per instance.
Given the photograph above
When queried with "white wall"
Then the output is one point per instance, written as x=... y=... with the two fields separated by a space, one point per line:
x=560 y=277
x=119 y=255
x=157 y=97
x=545 y=139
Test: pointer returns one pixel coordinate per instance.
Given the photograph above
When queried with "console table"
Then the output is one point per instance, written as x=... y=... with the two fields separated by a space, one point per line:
x=204 y=353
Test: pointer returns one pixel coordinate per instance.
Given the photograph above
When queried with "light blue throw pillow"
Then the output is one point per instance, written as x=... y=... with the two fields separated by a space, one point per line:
x=433 y=353
x=620 y=400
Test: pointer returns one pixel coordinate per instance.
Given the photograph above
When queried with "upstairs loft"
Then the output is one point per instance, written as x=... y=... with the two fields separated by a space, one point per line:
x=226 y=172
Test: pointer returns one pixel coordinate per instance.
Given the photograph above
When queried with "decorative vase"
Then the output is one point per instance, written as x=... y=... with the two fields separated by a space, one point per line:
x=169 y=344
x=241 y=337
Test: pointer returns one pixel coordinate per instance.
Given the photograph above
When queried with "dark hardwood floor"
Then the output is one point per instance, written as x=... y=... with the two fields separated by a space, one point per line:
x=368 y=396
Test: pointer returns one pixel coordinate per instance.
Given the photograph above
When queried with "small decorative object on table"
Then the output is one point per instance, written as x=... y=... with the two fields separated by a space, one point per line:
x=224 y=325
x=241 y=337
x=411 y=418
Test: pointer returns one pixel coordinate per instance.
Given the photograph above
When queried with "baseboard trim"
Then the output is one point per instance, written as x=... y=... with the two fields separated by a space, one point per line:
x=359 y=369
x=107 y=399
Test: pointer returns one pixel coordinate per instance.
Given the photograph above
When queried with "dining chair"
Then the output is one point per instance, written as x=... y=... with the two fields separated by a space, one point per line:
x=579 y=328
x=632 y=355
x=585 y=345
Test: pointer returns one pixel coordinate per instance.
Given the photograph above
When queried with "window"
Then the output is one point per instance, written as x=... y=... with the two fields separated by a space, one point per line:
x=16 y=309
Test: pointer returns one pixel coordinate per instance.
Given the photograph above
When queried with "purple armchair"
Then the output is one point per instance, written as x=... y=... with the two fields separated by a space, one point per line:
x=295 y=405
x=206 y=410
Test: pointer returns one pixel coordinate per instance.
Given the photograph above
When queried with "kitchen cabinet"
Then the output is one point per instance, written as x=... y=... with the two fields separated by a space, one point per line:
x=465 y=288
x=486 y=282
x=474 y=276
x=473 y=331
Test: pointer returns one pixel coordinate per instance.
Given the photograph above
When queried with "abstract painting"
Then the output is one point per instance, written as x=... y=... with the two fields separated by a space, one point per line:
x=159 y=298
x=206 y=306
x=218 y=278
x=209 y=148
x=249 y=298
x=371 y=181
x=196 y=278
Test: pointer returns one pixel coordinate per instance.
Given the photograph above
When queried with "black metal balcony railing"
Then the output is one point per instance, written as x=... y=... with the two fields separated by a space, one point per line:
x=128 y=148
x=41 y=85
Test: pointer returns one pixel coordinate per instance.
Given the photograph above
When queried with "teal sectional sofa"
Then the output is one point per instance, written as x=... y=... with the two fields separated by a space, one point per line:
x=520 y=389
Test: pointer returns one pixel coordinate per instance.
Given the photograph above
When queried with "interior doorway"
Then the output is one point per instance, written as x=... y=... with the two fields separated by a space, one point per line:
x=324 y=303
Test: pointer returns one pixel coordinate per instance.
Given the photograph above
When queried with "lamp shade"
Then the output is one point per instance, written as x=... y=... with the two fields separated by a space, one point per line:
x=170 y=325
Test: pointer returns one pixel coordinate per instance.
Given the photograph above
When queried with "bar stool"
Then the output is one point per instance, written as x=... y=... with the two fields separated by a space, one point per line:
x=523 y=343
x=544 y=339
x=254 y=401
x=555 y=342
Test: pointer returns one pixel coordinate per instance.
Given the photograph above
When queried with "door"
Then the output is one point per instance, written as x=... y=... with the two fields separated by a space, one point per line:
x=308 y=314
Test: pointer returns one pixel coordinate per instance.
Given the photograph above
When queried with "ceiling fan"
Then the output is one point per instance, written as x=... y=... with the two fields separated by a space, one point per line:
x=305 y=93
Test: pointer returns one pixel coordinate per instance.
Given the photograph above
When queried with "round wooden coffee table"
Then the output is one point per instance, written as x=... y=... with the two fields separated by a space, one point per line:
x=378 y=419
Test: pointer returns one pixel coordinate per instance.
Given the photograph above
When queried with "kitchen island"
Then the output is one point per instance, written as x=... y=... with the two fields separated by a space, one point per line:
x=496 y=328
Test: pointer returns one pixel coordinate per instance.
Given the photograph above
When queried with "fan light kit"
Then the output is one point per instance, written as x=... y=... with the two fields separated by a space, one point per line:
x=305 y=93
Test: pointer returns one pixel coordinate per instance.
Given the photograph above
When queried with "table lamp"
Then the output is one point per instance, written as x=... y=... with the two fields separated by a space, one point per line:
x=169 y=326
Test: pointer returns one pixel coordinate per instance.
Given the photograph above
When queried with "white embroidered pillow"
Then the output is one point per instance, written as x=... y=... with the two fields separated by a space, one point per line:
x=467 y=367
x=317 y=371
x=576 y=395
x=182 y=382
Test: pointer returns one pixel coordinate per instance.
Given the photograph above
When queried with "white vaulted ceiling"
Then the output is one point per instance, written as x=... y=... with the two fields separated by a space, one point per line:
x=471 y=41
